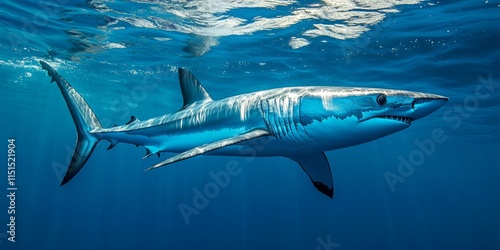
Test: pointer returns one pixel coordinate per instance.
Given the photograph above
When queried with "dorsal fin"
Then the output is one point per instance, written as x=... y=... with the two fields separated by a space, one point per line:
x=132 y=119
x=191 y=88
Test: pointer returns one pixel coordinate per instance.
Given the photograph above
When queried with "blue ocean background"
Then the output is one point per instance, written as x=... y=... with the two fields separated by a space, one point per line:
x=122 y=56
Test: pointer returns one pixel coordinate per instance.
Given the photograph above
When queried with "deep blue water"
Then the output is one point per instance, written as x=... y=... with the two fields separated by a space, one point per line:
x=122 y=57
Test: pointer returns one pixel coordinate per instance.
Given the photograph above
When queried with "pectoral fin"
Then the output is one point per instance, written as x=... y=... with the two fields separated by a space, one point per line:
x=211 y=146
x=316 y=165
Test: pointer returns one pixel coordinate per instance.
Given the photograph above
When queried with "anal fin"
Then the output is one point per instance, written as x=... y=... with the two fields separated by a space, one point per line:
x=211 y=146
x=316 y=165
x=112 y=145
x=151 y=151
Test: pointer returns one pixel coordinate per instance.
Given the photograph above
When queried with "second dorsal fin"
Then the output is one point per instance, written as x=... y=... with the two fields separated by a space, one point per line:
x=191 y=88
x=132 y=120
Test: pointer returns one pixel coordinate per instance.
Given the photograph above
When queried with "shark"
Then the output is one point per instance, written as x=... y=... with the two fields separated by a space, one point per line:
x=299 y=123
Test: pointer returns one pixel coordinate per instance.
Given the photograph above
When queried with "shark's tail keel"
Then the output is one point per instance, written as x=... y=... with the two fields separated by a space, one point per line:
x=85 y=121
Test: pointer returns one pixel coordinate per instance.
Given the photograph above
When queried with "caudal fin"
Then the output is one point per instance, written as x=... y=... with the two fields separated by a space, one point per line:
x=85 y=121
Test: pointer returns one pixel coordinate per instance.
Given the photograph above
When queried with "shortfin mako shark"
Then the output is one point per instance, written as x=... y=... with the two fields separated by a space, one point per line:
x=300 y=123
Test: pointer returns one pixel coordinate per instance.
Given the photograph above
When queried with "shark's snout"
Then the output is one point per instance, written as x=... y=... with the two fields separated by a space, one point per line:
x=413 y=108
x=426 y=105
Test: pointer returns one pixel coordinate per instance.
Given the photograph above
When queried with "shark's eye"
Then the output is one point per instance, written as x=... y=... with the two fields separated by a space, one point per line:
x=382 y=99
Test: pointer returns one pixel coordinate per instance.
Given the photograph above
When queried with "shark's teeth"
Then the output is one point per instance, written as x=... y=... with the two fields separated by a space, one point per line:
x=397 y=118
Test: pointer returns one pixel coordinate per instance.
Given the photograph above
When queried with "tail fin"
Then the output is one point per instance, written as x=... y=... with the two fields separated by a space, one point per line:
x=84 y=119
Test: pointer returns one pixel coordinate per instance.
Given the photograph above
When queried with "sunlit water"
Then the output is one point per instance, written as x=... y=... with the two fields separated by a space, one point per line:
x=123 y=58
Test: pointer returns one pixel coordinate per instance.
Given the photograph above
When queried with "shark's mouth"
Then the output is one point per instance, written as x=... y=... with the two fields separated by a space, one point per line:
x=406 y=120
